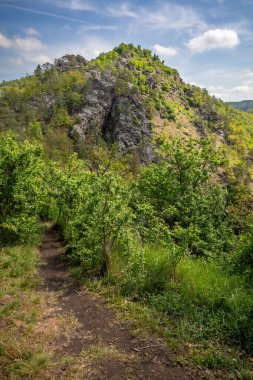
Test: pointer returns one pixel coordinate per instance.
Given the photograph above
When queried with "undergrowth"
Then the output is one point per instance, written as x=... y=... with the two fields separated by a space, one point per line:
x=23 y=350
x=202 y=312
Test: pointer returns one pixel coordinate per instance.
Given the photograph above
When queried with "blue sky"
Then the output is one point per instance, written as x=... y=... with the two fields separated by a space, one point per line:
x=210 y=42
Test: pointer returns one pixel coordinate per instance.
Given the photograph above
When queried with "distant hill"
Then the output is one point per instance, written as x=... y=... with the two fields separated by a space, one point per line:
x=244 y=105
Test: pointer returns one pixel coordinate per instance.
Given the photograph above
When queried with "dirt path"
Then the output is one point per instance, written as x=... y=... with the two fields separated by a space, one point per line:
x=98 y=345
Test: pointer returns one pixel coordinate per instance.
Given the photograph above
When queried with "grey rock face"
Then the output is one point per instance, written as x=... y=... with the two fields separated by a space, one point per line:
x=128 y=126
x=120 y=118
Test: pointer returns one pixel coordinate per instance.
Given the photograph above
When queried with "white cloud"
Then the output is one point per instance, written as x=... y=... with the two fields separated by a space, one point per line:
x=97 y=27
x=16 y=61
x=54 y=15
x=5 y=42
x=23 y=44
x=214 y=39
x=164 y=16
x=236 y=93
x=89 y=47
x=245 y=89
x=249 y=73
x=38 y=59
x=122 y=11
x=240 y=89
x=167 y=16
x=79 y=5
x=31 y=32
x=28 y=44
x=75 y=5
x=165 y=51
x=26 y=47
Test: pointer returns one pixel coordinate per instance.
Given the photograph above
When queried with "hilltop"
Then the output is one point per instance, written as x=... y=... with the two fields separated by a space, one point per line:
x=127 y=97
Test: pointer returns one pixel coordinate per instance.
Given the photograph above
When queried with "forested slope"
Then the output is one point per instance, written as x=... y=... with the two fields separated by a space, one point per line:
x=243 y=105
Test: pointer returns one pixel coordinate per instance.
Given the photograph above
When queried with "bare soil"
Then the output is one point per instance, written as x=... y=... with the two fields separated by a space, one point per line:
x=99 y=345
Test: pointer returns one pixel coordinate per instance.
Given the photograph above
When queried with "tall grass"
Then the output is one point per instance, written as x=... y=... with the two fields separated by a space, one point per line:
x=147 y=270
x=205 y=301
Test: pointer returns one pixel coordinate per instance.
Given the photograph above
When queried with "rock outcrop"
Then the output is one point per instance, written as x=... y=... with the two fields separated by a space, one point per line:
x=120 y=119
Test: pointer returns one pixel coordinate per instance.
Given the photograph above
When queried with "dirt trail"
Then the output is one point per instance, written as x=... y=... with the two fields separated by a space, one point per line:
x=100 y=346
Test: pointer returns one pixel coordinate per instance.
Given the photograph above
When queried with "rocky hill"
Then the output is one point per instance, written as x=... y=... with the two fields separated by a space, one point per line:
x=127 y=97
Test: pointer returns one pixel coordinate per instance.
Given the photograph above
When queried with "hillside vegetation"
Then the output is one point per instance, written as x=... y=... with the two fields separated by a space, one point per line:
x=149 y=180
x=243 y=105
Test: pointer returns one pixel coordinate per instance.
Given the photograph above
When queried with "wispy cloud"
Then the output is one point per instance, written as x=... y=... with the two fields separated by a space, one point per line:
x=40 y=12
x=89 y=47
x=84 y=25
x=38 y=59
x=161 y=16
x=122 y=10
x=249 y=73
x=214 y=39
x=97 y=27
x=79 y=5
x=17 y=61
x=5 y=42
x=75 y=5
x=35 y=59
x=243 y=91
x=165 y=51
x=31 y=32
x=28 y=44
x=23 y=44
x=171 y=16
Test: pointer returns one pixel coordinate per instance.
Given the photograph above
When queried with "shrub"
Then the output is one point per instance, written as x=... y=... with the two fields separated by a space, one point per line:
x=22 y=189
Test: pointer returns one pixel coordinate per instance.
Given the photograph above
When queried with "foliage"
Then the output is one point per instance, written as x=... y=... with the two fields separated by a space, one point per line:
x=243 y=257
x=22 y=188
x=105 y=217
x=244 y=105
x=181 y=191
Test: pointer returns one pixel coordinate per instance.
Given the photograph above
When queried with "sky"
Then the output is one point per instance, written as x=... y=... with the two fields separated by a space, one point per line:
x=210 y=42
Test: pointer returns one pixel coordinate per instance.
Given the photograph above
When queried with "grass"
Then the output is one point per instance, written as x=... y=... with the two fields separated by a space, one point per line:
x=101 y=351
x=87 y=363
x=206 y=301
x=202 y=313
x=30 y=322
x=23 y=349
x=30 y=365
x=246 y=375
x=214 y=359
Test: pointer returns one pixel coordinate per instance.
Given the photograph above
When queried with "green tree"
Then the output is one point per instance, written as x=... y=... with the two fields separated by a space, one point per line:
x=22 y=188
x=99 y=221
x=182 y=190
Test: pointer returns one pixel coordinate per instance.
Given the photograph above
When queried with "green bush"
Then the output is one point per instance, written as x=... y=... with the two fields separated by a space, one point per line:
x=147 y=270
x=22 y=189
x=243 y=257
x=96 y=218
